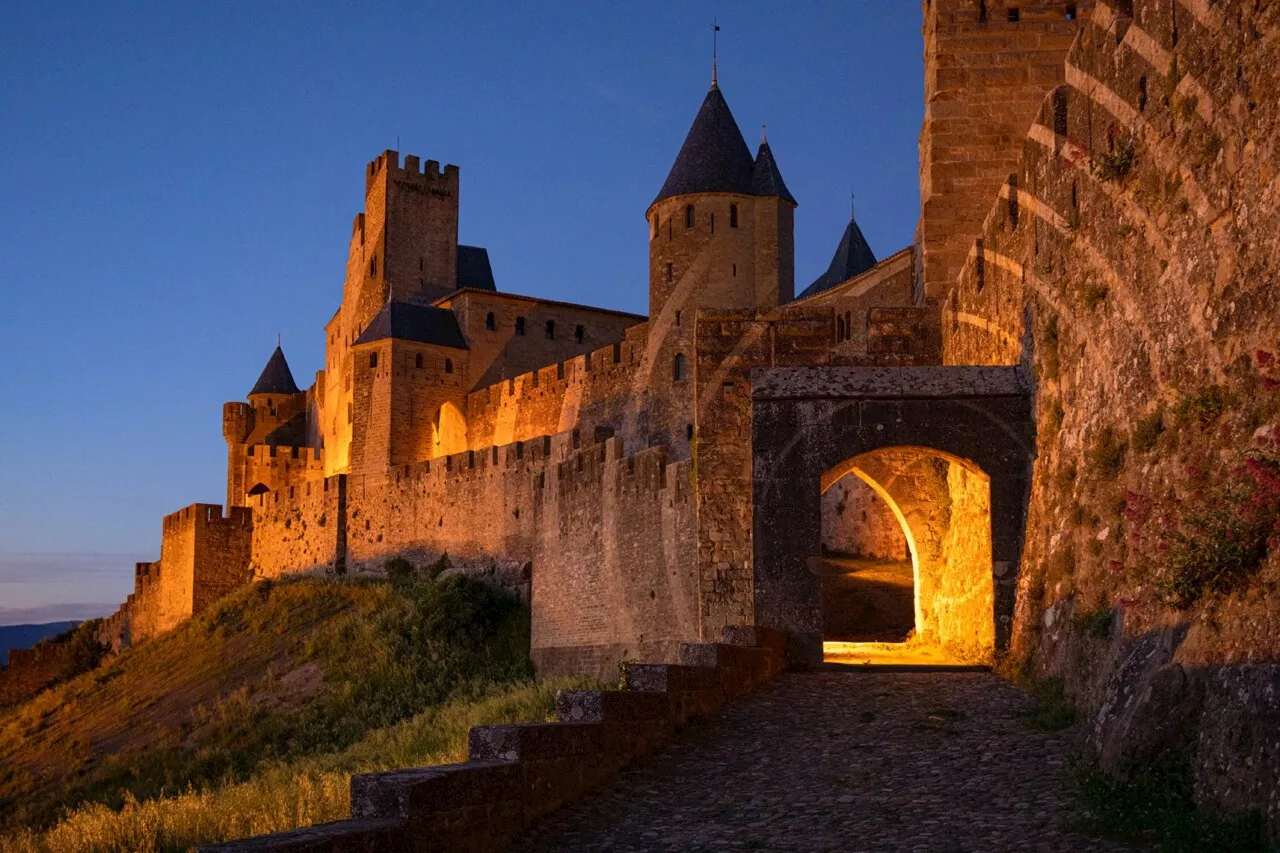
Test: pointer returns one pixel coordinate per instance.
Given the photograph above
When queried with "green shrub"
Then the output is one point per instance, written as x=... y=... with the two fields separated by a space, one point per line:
x=1205 y=406
x=398 y=569
x=1157 y=806
x=1117 y=163
x=1216 y=539
x=1054 y=711
x=1106 y=454
x=1096 y=623
x=1092 y=295
x=1148 y=431
x=1050 y=361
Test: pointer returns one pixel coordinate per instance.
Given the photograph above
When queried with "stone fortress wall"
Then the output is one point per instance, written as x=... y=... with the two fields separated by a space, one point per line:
x=1129 y=260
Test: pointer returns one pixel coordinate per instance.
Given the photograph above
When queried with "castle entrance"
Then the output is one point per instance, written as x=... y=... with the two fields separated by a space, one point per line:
x=922 y=574
x=947 y=453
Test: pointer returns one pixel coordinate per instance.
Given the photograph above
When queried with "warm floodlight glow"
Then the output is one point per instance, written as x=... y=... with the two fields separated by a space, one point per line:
x=888 y=654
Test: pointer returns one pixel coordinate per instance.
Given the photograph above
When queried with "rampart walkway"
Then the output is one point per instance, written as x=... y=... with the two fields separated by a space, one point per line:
x=841 y=761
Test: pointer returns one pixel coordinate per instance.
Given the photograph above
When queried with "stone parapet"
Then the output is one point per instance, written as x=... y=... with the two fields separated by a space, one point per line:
x=518 y=773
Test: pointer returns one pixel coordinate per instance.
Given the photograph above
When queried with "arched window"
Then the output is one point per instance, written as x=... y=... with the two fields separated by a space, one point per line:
x=677 y=367
x=259 y=489
x=671 y=272
x=519 y=325
x=840 y=328
x=551 y=330
x=448 y=365
x=733 y=216
x=580 y=333
x=689 y=216
x=489 y=322
x=373 y=359
x=417 y=361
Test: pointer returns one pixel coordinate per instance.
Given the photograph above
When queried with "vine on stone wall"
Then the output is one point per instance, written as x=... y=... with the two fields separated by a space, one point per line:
x=1217 y=537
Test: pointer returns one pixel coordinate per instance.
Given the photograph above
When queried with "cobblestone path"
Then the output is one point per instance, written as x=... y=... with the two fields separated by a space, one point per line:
x=843 y=761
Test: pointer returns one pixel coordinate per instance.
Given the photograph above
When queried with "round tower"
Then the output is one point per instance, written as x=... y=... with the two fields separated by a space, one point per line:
x=720 y=237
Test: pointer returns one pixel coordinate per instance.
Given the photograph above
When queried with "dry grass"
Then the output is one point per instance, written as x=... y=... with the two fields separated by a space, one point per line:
x=284 y=796
x=252 y=717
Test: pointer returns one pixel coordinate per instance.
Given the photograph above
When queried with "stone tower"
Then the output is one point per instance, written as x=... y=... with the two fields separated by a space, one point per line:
x=275 y=414
x=721 y=235
x=404 y=248
x=987 y=66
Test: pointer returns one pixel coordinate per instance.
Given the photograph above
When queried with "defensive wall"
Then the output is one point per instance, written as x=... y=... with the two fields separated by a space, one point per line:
x=609 y=538
x=31 y=670
x=1130 y=261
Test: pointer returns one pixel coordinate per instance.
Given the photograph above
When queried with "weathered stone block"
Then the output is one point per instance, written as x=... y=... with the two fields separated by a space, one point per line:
x=343 y=836
x=612 y=706
x=404 y=793
x=533 y=741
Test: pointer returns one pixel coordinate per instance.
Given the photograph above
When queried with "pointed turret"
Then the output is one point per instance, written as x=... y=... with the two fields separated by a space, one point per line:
x=853 y=256
x=714 y=157
x=766 y=179
x=276 y=377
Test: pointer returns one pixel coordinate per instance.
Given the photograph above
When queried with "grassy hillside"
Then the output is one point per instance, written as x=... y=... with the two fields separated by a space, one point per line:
x=251 y=717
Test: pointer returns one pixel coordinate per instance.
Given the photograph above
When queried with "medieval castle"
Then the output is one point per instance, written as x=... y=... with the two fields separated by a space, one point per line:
x=1059 y=401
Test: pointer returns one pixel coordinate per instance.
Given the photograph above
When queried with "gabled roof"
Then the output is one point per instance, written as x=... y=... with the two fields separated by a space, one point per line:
x=714 y=157
x=408 y=321
x=276 y=377
x=766 y=180
x=853 y=256
x=473 y=268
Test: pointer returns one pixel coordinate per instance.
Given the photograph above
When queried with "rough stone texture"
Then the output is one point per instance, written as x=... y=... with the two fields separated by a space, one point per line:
x=843 y=762
x=857 y=522
x=1130 y=262
x=984 y=77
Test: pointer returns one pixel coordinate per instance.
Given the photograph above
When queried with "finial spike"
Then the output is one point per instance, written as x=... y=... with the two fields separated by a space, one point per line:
x=715 y=30
x=853 y=205
x=277 y=340
x=764 y=134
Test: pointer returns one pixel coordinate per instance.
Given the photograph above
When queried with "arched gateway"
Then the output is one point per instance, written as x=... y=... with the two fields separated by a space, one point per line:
x=810 y=424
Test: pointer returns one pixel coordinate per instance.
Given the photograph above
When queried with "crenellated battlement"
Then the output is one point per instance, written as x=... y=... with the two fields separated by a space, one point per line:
x=205 y=515
x=414 y=172
x=310 y=457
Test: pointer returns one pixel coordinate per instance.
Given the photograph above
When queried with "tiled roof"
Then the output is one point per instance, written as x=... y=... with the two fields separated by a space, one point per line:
x=407 y=321
x=766 y=180
x=473 y=268
x=276 y=377
x=714 y=157
x=853 y=256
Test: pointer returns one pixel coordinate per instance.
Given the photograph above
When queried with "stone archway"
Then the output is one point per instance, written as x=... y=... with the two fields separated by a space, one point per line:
x=807 y=422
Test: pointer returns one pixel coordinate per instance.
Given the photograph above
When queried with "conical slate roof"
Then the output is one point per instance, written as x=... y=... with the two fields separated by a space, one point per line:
x=766 y=180
x=853 y=256
x=714 y=157
x=276 y=377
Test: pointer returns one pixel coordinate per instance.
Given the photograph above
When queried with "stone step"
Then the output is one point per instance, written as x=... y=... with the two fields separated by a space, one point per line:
x=343 y=836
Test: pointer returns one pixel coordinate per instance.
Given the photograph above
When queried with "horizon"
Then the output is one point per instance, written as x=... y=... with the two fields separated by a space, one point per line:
x=191 y=179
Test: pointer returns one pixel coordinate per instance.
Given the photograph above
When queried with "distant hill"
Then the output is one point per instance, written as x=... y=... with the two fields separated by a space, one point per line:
x=26 y=636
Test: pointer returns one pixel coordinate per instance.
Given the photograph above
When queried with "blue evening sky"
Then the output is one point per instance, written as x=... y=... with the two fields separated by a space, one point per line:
x=179 y=180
